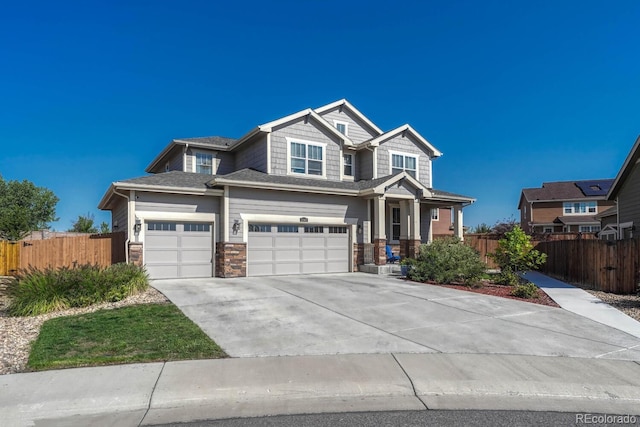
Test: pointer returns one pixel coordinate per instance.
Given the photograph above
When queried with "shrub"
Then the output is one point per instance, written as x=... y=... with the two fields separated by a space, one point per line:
x=525 y=290
x=42 y=291
x=447 y=260
x=508 y=278
x=515 y=252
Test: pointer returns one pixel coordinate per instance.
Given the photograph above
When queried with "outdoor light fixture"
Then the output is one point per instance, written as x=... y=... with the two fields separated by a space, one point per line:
x=236 y=226
x=359 y=229
x=115 y=224
x=137 y=227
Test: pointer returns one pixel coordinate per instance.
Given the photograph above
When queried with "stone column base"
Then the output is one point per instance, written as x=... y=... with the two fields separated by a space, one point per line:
x=231 y=259
x=379 y=251
x=358 y=255
x=409 y=248
x=135 y=253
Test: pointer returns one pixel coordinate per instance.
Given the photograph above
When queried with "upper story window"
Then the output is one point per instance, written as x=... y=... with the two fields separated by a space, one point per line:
x=203 y=163
x=343 y=127
x=306 y=158
x=404 y=162
x=580 y=208
x=347 y=164
x=435 y=214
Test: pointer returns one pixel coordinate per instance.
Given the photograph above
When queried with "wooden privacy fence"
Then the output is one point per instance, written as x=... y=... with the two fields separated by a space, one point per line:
x=9 y=257
x=100 y=249
x=610 y=266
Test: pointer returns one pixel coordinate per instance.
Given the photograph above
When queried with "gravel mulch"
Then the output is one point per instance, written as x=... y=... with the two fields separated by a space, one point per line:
x=17 y=333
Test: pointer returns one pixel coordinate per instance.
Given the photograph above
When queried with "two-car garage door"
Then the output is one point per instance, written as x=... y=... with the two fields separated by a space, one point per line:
x=294 y=249
x=178 y=249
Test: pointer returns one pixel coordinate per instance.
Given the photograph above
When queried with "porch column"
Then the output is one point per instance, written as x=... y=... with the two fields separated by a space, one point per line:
x=405 y=227
x=413 y=243
x=430 y=232
x=458 y=231
x=379 y=236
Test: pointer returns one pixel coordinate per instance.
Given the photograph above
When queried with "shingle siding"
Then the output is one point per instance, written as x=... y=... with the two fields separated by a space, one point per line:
x=404 y=145
x=270 y=202
x=357 y=131
x=252 y=155
x=364 y=162
x=629 y=198
x=119 y=215
x=305 y=132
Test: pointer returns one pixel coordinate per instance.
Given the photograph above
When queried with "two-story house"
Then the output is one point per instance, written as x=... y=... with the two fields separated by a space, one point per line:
x=566 y=206
x=620 y=221
x=311 y=192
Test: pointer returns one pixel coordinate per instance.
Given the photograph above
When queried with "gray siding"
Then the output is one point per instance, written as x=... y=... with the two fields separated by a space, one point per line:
x=225 y=163
x=401 y=189
x=425 y=215
x=175 y=161
x=629 y=198
x=404 y=145
x=119 y=214
x=364 y=162
x=159 y=202
x=252 y=155
x=311 y=132
x=268 y=202
x=357 y=131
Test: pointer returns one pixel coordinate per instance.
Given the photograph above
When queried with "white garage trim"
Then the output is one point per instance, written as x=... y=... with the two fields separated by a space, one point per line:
x=175 y=217
x=292 y=219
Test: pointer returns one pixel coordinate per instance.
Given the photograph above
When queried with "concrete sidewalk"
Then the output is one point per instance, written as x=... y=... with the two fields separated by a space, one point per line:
x=581 y=302
x=147 y=394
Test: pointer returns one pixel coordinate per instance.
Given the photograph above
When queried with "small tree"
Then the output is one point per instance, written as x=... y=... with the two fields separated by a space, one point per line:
x=482 y=229
x=104 y=228
x=502 y=227
x=84 y=224
x=515 y=254
x=24 y=208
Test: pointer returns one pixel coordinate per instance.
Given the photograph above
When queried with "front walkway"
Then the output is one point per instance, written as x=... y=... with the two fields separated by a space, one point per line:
x=581 y=302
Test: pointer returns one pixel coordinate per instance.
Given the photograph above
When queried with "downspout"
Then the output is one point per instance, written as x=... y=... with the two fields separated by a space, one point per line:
x=126 y=242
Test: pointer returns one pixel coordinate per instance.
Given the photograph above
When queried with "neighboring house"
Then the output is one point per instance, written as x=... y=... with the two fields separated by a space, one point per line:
x=621 y=221
x=566 y=206
x=321 y=190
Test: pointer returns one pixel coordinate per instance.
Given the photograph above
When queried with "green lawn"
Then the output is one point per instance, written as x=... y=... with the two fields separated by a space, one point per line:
x=140 y=333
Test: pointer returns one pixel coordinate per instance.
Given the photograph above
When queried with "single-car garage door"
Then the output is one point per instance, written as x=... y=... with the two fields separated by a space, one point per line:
x=293 y=249
x=178 y=249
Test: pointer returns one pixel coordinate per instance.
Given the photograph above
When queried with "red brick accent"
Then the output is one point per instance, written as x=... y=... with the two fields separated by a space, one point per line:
x=231 y=259
x=379 y=251
x=358 y=256
x=135 y=253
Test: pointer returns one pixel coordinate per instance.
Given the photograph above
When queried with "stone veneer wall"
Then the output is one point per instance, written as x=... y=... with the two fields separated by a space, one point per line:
x=358 y=255
x=135 y=253
x=379 y=251
x=409 y=248
x=231 y=259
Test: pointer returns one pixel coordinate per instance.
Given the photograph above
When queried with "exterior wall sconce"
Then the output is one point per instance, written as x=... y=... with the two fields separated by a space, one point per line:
x=137 y=227
x=115 y=225
x=359 y=228
x=236 y=226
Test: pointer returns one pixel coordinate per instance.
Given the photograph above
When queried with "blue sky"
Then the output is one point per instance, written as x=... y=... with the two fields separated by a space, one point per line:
x=513 y=93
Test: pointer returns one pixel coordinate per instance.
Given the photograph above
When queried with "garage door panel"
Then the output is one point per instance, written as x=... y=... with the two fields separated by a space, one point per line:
x=279 y=253
x=172 y=250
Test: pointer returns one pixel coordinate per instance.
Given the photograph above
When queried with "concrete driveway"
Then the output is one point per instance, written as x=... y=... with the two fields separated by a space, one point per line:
x=365 y=313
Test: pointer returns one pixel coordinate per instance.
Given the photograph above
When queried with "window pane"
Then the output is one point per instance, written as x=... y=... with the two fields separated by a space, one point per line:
x=287 y=229
x=410 y=163
x=342 y=128
x=315 y=167
x=337 y=230
x=395 y=212
x=411 y=173
x=395 y=234
x=348 y=170
x=397 y=161
x=315 y=152
x=347 y=159
x=260 y=228
x=314 y=229
x=298 y=150
x=297 y=166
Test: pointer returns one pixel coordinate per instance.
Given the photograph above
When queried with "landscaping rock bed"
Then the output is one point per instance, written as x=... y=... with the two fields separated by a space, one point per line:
x=490 y=288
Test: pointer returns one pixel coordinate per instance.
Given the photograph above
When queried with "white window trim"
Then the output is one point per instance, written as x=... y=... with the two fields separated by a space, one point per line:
x=401 y=153
x=193 y=160
x=579 y=213
x=437 y=218
x=353 y=167
x=340 y=122
x=306 y=142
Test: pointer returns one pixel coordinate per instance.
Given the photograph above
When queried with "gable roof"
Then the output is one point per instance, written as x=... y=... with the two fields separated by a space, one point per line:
x=343 y=103
x=625 y=170
x=399 y=130
x=567 y=190
x=220 y=143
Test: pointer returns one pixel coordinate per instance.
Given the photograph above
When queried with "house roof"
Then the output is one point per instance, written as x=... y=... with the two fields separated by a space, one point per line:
x=216 y=142
x=195 y=183
x=577 y=219
x=625 y=170
x=612 y=211
x=343 y=103
x=568 y=190
x=399 y=130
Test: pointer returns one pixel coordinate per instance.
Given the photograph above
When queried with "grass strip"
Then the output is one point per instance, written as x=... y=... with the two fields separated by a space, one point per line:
x=134 y=334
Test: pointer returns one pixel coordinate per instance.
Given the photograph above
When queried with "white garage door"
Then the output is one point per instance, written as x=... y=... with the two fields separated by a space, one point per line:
x=293 y=249
x=178 y=249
